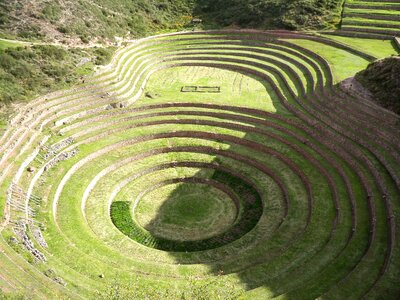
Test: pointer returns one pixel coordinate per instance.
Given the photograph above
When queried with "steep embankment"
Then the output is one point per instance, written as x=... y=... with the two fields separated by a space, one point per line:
x=382 y=79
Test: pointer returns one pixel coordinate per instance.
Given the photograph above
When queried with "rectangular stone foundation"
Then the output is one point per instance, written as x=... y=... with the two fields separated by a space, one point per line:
x=201 y=89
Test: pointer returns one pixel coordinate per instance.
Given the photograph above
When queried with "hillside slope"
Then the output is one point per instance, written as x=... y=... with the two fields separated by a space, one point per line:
x=92 y=21
x=28 y=71
x=382 y=79
x=290 y=14
x=88 y=20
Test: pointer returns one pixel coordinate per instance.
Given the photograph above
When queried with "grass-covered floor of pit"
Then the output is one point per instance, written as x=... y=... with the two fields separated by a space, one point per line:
x=236 y=89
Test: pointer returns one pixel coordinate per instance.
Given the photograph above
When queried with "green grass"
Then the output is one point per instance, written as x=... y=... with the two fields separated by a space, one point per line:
x=344 y=64
x=378 y=48
x=235 y=88
x=167 y=240
x=185 y=211
x=372 y=11
x=365 y=18
x=4 y=44
x=284 y=172
x=30 y=71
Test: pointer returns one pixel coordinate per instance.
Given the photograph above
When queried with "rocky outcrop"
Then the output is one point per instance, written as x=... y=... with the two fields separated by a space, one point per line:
x=382 y=79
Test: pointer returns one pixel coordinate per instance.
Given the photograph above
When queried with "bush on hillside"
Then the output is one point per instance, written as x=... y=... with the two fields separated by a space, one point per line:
x=52 y=11
x=103 y=55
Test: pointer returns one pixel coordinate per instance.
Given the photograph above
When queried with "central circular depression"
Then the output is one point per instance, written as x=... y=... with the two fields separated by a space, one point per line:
x=191 y=213
x=186 y=211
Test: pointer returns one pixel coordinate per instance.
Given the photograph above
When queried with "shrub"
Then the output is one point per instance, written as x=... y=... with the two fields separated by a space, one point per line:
x=32 y=32
x=84 y=39
x=52 y=11
x=103 y=55
x=64 y=29
x=50 y=51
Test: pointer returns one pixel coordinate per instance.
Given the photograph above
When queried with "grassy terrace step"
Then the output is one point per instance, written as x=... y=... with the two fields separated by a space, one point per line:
x=386 y=31
x=306 y=174
x=373 y=12
x=360 y=35
x=370 y=19
x=359 y=5
x=376 y=24
x=367 y=15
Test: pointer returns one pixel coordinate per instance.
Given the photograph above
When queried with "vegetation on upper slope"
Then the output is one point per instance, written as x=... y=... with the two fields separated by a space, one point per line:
x=382 y=79
x=288 y=14
x=26 y=72
x=94 y=21
x=88 y=20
